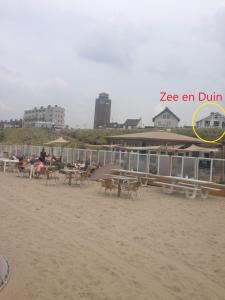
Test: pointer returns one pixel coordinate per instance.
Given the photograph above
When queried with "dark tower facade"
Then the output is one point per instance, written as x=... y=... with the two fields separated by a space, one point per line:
x=102 y=111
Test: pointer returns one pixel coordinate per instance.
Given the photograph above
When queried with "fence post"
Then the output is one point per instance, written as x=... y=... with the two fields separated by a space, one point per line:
x=104 y=158
x=171 y=165
x=120 y=158
x=197 y=169
x=211 y=170
x=158 y=164
x=90 y=156
x=138 y=154
x=147 y=163
x=182 y=167
x=98 y=157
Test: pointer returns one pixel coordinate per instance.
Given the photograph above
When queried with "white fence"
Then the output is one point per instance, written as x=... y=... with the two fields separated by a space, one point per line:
x=208 y=169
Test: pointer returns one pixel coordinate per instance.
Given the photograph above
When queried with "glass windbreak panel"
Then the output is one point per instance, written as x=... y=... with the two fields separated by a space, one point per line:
x=94 y=157
x=164 y=165
x=108 y=157
x=82 y=155
x=101 y=158
x=204 y=169
x=116 y=158
x=218 y=171
x=153 y=164
x=189 y=167
x=133 y=161
x=88 y=155
x=176 y=169
x=75 y=154
x=142 y=166
x=68 y=155
x=56 y=151
x=124 y=161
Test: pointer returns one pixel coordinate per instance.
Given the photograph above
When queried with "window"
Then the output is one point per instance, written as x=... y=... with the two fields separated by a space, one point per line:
x=216 y=124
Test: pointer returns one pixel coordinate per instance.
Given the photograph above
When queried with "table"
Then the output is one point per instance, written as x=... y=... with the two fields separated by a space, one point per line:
x=146 y=176
x=197 y=185
x=6 y=160
x=70 y=174
x=120 y=180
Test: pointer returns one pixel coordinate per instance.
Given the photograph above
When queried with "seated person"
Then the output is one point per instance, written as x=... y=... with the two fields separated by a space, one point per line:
x=21 y=165
x=39 y=167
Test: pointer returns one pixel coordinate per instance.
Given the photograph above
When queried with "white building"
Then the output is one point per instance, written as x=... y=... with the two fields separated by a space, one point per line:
x=166 y=119
x=50 y=114
x=132 y=123
x=48 y=125
x=214 y=120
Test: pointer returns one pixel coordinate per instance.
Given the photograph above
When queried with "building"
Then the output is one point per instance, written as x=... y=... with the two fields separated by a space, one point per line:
x=166 y=119
x=102 y=111
x=132 y=123
x=214 y=120
x=50 y=114
x=11 y=123
x=49 y=125
x=114 y=125
x=152 y=138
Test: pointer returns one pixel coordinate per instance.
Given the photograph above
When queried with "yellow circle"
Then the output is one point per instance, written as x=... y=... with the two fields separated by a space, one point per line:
x=193 y=121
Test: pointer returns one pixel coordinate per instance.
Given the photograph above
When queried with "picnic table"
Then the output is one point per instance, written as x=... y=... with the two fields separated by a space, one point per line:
x=190 y=186
x=70 y=172
x=142 y=176
x=8 y=161
x=119 y=179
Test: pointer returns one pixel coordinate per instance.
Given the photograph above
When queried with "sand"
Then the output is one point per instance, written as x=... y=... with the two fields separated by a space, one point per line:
x=71 y=243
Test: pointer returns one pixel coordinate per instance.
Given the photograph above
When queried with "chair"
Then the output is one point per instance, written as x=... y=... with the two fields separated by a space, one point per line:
x=82 y=177
x=51 y=175
x=108 y=184
x=132 y=188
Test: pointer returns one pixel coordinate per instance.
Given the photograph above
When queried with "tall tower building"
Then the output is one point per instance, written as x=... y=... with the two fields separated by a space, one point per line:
x=102 y=111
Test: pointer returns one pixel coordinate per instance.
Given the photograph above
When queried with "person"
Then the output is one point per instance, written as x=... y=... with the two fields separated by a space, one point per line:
x=39 y=167
x=21 y=165
x=43 y=155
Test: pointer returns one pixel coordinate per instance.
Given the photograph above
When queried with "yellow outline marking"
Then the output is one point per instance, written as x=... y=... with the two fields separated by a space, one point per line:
x=193 y=121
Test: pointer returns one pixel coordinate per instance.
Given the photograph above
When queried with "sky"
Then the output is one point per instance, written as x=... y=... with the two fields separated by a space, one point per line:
x=67 y=52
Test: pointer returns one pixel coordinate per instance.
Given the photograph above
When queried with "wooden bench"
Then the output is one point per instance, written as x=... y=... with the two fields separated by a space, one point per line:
x=145 y=180
x=204 y=189
x=168 y=188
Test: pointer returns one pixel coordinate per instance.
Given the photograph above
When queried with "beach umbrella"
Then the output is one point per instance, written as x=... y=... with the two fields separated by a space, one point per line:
x=58 y=142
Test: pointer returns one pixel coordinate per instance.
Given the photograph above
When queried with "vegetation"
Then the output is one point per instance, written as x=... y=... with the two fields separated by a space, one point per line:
x=85 y=138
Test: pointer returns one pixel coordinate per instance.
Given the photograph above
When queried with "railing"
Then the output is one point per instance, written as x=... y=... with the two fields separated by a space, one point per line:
x=209 y=169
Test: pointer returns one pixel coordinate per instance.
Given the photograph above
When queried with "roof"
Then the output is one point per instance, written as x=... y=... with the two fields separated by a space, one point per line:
x=132 y=122
x=195 y=148
x=212 y=115
x=166 y=110
x=154 y=148
x=156 y=135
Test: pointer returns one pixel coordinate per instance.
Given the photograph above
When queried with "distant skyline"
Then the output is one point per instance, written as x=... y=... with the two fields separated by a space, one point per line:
x=67 y=52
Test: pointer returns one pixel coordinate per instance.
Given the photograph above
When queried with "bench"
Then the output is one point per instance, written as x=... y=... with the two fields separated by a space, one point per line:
x=168 y=188
x=204 y=189
x=145 y=180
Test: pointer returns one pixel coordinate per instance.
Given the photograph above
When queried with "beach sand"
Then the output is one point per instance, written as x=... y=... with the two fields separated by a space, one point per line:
x=67 y=242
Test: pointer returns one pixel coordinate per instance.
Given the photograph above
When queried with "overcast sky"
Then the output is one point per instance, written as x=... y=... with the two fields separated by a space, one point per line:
x=67 y=52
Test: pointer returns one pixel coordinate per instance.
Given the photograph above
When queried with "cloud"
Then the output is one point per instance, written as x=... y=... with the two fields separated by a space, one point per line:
x=113 y=41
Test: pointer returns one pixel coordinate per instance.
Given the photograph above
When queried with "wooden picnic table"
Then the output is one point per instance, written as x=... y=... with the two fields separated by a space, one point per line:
x=190 y=186
x=143 y=176
x=70 y=173
x=120 y=180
